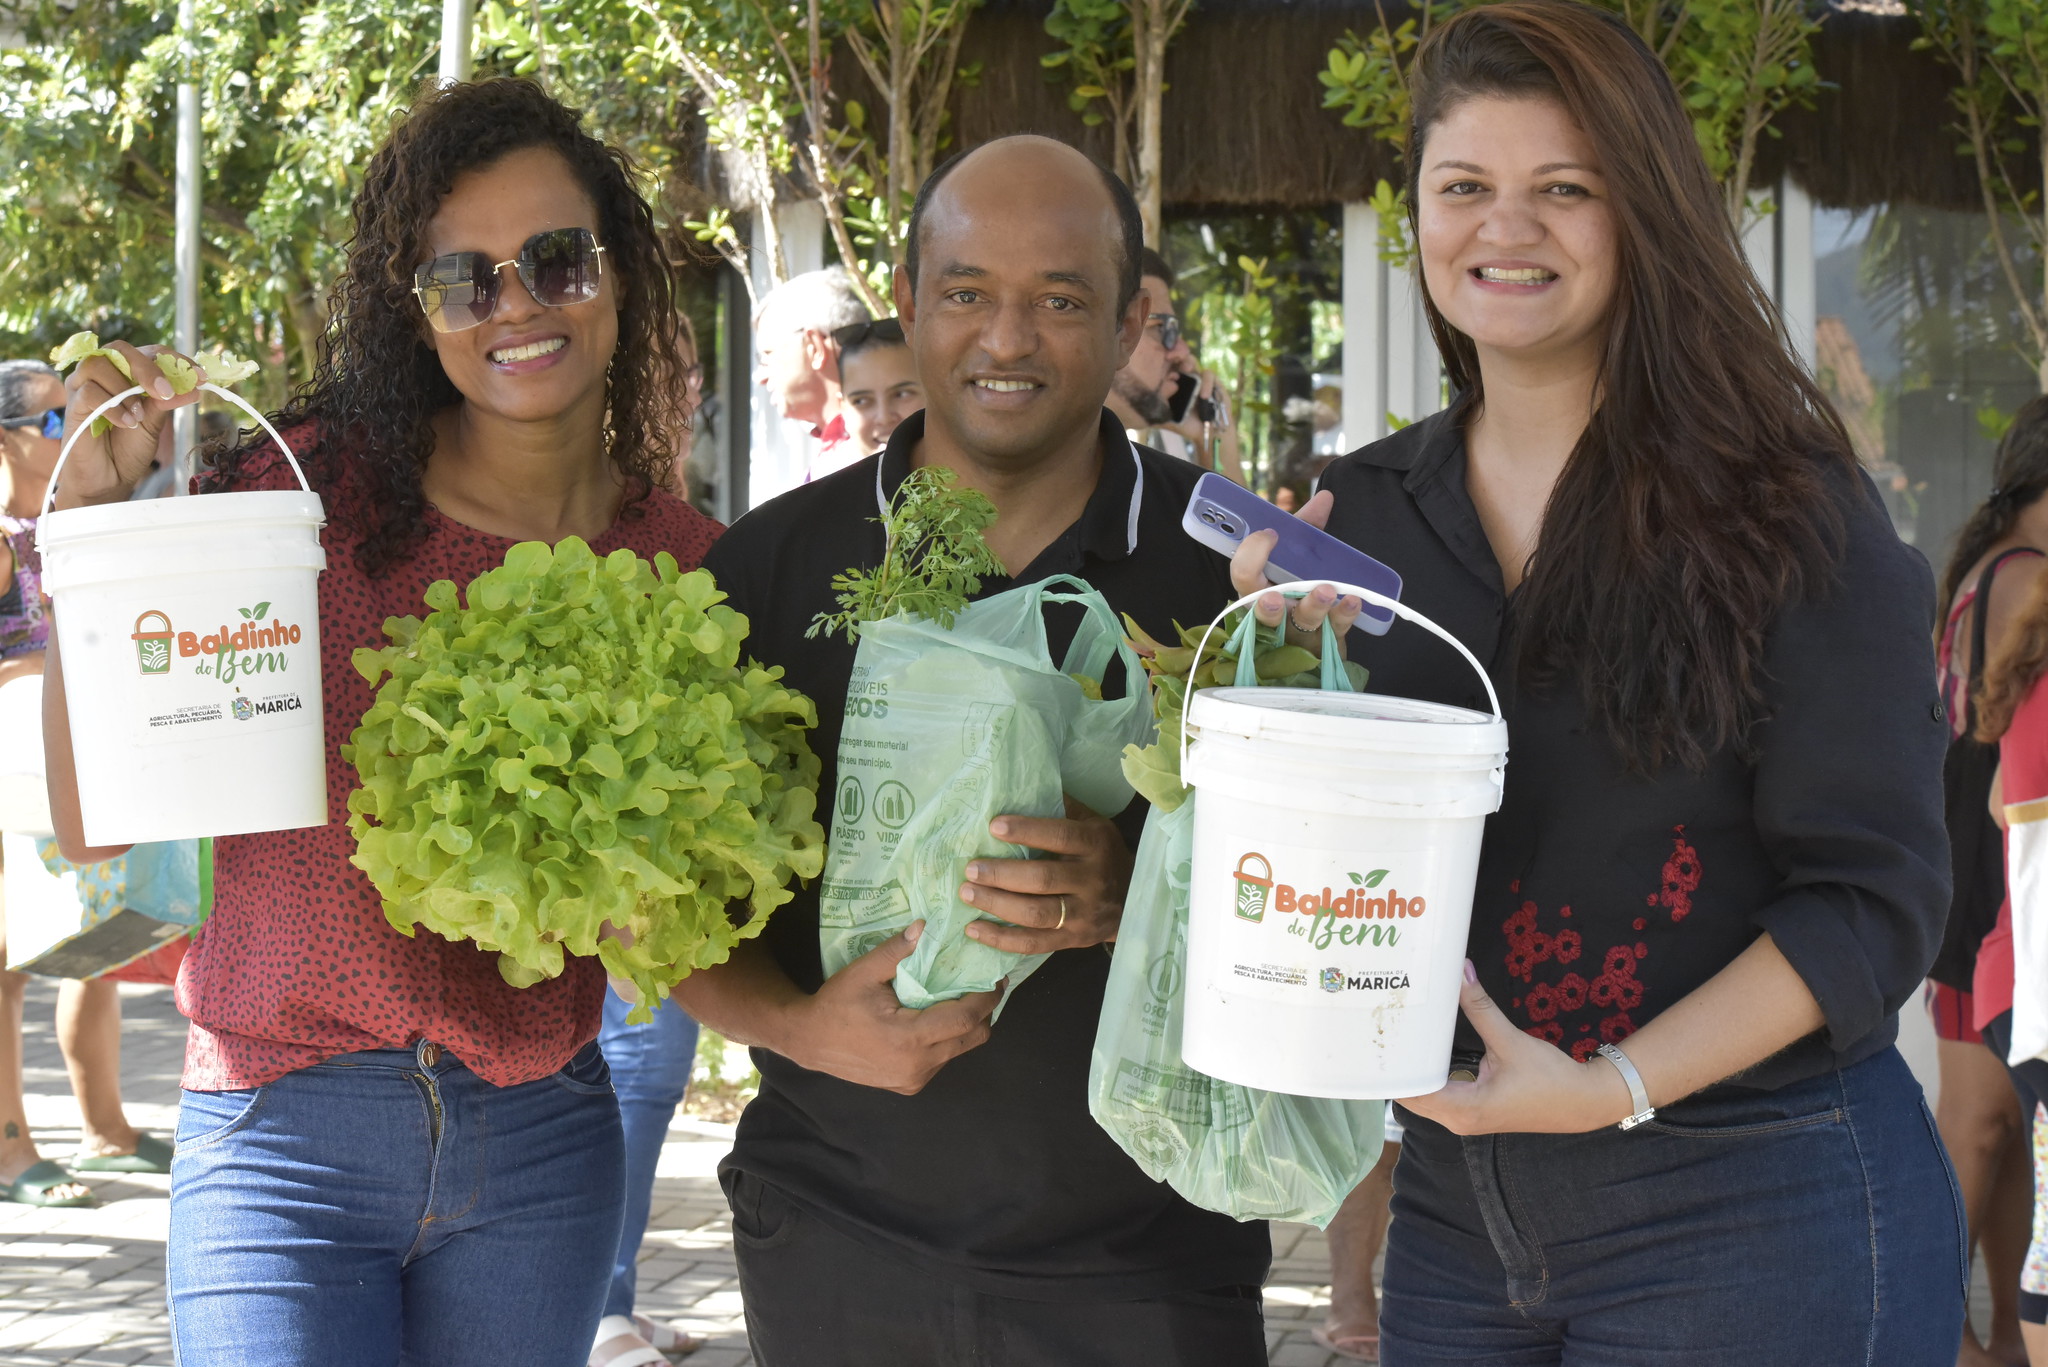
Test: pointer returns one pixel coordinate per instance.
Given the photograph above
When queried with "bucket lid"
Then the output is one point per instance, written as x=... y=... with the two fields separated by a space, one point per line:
x=1363 y=721
x=209 y=513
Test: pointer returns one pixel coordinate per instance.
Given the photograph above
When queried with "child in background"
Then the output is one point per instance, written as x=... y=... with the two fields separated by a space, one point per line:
x=878 y=379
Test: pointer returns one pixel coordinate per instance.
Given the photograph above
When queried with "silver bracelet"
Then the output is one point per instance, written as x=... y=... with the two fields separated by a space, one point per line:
x=1638 y=1097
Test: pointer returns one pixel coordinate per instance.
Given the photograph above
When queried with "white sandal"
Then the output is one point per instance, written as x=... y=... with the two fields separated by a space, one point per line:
x=666 y=1337
x=614 y=1327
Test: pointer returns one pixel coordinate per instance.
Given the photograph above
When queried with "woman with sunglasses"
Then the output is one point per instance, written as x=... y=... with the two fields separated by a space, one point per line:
x=385 y=1153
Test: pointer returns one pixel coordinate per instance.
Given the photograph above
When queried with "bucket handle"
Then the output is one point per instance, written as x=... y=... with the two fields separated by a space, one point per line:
x=71 y=439
x=1299 y=589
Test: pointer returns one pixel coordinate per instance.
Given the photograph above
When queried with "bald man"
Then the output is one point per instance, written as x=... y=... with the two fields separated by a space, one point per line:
x=920 y=1188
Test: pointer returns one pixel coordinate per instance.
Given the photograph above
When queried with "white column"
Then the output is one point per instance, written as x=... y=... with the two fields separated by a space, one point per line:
x=455 y=41
x=185 y=249
x=1798 y=287
x=1760 y=242
x=1365 y=318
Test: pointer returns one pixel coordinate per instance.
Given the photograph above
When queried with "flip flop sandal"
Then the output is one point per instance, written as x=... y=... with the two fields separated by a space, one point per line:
x=613 y=1326
x=151 y=1155
x=669 y=1339
x=1351 y=1347
x=32 y=1188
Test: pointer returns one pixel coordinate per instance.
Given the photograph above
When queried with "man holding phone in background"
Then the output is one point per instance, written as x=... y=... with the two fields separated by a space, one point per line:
x=1164 y=389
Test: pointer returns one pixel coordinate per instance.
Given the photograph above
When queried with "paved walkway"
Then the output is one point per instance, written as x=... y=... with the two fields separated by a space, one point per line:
x=87 y=1286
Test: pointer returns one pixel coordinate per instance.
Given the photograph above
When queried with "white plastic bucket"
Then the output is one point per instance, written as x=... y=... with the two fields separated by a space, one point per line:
x=1336 y=844
x=190 y=634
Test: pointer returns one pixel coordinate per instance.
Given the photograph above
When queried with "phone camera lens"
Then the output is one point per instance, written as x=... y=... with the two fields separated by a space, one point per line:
x=1209 y=517
x=1228 y=529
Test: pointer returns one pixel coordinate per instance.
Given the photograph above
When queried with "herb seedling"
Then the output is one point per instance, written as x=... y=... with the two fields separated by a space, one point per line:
x=934 y=561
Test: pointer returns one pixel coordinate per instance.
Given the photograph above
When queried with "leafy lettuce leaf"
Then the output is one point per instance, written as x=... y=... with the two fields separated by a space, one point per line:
x=222 y=367
x=575 y=741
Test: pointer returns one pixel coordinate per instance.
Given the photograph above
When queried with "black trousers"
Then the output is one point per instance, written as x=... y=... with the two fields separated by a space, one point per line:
x=816 y=1298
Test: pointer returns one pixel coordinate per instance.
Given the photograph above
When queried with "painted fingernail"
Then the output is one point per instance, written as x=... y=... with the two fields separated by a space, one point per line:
x=1471 y=973
x=161 y=388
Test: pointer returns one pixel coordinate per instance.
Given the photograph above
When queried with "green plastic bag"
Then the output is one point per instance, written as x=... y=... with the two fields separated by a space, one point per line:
x=1250 y=1154
x=947 y=729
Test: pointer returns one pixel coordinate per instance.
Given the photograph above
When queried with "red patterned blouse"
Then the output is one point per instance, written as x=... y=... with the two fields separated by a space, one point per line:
x=298 y=963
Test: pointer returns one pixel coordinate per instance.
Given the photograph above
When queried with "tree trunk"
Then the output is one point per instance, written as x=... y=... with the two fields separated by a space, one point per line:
x=903 y=180
x=1149 y=35
x=306 y=325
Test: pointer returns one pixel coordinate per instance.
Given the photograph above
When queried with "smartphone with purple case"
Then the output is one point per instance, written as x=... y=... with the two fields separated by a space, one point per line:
x=1223 y=513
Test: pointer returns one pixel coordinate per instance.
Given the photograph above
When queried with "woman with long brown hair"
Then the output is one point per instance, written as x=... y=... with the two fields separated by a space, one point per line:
x=1678 y=1131
x=385 y=1152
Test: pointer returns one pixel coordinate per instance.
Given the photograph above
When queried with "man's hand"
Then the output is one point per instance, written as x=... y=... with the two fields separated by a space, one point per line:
x=1068 y=902
x=855 y=1029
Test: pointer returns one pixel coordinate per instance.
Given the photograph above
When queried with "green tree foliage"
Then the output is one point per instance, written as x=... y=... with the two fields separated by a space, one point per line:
x=1737 y=64
x=1114 y=52
x=295 y=92
x=1998 y=52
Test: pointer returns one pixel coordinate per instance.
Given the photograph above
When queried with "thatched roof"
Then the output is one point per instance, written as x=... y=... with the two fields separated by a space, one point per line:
x=1885 y=132
x=1244 y=122
x=1246 y=127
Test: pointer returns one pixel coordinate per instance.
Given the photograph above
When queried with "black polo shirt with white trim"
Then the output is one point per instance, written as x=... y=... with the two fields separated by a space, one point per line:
x=994 y=1176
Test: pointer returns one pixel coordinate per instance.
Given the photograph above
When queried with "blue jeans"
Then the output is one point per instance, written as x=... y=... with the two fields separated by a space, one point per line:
x=1815 y=1226
x=651 y=1067
x=391 y=1207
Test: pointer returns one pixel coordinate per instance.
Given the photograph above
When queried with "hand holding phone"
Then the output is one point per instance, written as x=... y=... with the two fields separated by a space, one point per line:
x=1222 y=513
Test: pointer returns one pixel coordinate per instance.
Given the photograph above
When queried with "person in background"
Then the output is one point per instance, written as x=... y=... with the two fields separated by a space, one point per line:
x=1142 y=395
x=651 y=1067
x=878 y=376
x=386 y=1152
x=88 y=1012
x=1351 y=1328
x=1285 y=499
x=2012 y=711
x=798 y=362
x=1678 y=1130
x=1992 y=574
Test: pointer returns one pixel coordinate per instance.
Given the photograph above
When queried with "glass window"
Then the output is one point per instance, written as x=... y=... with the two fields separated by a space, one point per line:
x=1917 y=342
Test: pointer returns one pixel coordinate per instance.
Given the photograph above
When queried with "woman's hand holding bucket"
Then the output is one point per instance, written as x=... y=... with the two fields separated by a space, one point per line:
x=1304 y=624
x=1525 y=1085
x=106 y=469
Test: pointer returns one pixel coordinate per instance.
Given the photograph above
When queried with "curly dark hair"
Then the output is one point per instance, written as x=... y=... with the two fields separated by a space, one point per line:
x=378 y=383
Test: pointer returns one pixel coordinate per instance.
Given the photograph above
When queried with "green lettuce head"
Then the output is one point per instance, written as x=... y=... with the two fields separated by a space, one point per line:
x=573 y=743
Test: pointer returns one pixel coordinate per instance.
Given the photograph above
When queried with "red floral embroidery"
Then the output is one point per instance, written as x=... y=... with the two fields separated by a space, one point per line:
x=1597 y=1010
x=1681 y=877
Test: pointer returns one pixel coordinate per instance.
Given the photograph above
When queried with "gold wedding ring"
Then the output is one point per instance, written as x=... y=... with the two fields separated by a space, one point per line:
x=1063 y=914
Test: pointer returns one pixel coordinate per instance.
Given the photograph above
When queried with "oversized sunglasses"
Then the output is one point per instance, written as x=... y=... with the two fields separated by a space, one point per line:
x=1169 y=329
x=459 y=291
x=52 y=423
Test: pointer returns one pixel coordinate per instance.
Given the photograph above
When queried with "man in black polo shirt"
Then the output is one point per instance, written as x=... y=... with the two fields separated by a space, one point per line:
x=919 y=1188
